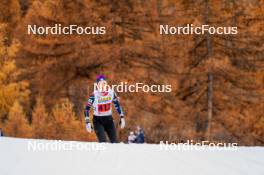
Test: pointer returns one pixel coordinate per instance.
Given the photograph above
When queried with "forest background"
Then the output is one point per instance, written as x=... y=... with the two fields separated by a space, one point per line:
x=217 y=80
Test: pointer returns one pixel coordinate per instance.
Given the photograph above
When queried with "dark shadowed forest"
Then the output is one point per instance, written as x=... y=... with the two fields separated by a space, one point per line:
x=217 y=80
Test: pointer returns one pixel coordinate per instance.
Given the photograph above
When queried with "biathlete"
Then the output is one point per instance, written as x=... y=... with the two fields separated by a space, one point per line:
x=101 y=100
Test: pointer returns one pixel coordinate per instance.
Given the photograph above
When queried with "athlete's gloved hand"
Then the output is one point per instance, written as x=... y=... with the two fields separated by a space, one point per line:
x=122 y=122
x=89 y=127
x=88 y=124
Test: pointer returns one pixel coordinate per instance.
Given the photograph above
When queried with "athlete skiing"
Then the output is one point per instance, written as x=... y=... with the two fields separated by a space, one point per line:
x=101 y=100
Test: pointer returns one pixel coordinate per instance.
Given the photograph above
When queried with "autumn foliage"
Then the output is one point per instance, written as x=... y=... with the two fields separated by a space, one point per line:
x=217 y=80
x=17 y=124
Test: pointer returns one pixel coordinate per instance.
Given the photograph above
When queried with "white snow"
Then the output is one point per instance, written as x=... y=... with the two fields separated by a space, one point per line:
x=17 y=157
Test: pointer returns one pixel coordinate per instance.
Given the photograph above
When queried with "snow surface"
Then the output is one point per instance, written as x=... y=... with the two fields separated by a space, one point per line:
x=18 y=158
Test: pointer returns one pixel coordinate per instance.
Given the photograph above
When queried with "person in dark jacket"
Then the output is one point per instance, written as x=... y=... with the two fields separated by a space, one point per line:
x=140 y=136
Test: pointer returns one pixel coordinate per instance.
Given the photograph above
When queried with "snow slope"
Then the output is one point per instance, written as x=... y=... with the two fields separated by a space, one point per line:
x=17 y=157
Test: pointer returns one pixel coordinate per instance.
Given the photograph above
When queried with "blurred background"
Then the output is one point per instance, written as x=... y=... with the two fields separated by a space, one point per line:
x=217 y=80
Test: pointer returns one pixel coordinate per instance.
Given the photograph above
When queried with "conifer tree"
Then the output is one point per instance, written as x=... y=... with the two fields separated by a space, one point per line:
x=10 y=88
x=65 y=124
x=223 y=70
x=41 y=121
x=17 y=124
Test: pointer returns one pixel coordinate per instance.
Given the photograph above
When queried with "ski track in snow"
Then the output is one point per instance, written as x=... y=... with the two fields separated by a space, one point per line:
x=124 y=159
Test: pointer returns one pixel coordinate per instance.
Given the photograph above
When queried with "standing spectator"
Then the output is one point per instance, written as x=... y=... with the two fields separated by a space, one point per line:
x=140 y=136
x=131 y=137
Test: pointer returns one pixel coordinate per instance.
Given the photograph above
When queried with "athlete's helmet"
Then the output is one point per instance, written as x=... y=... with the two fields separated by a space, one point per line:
x=100 y=78
x=102 y=85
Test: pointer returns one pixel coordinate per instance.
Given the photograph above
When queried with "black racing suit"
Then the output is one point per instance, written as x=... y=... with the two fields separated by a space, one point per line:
x=104 y=124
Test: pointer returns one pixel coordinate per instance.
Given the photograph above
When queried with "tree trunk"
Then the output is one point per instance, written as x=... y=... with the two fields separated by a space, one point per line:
x=210 y=77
